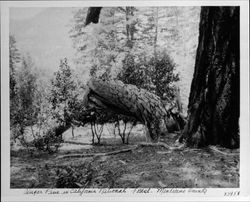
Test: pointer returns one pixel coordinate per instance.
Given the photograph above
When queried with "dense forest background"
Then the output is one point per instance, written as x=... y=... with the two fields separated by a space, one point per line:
x=150 y=47
x=55 y=33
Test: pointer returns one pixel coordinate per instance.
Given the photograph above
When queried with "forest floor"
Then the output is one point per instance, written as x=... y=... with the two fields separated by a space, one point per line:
x=141 y=166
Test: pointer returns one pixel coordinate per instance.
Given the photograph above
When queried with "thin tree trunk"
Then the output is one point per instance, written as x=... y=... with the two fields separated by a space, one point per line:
x=156 y=33
x=176 y=15
x=127 y=26
x=124 y=133
x=32 y=132
x=178 y=100
x=129 y=132
x=98 y=132
x=130 y=27
x=93 y=133
x=72 y=131
x=119 y=131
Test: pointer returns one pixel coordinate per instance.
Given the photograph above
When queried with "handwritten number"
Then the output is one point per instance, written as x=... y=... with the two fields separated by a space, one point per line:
x=233 y=193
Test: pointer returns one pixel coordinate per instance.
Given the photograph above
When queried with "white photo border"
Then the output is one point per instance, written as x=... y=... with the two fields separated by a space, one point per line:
x=212 y=194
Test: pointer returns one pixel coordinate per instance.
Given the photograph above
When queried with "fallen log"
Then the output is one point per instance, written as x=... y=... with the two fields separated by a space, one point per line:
x=142 y=144
x=213 y=148
x=129 y=100
x=161 y=144
x=95 y=154
x=76 y=143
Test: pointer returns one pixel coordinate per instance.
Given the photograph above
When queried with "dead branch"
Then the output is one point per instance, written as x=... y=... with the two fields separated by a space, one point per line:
x=76 y=143
x=221 y=152
x=96 y=154
x=161 y=144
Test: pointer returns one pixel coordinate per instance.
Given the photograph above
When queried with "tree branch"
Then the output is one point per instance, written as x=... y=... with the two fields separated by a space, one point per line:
x=96 y=154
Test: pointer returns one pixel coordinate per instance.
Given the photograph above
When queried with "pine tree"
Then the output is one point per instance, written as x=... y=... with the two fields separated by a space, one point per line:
x=25 y=112
x=14 y=59
x=63 y=94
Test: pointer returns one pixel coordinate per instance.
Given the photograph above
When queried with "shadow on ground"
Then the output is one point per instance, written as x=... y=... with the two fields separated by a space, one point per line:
x=145 y=166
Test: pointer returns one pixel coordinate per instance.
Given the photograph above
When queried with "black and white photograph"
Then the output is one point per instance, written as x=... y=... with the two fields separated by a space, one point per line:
x=105 y=98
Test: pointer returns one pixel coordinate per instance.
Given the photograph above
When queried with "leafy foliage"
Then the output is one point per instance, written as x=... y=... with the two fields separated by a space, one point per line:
x=163 y=76
x=122 y=128
x=48 y=142
x=123 y=46
x=154 y=74
x=14 y=59
x=126 y=35
x=31 y=117
x=70 y=177
x=25 y=111
x=132 y=44
x=88 y=175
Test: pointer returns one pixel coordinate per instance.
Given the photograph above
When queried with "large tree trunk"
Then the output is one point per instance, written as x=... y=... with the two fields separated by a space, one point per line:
x=93 y=15
x=214 y=97
x=129 y=100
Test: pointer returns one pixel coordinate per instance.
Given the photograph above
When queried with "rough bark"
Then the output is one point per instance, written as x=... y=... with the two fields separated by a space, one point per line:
x=214 y=98
x=129 y=100
x=93 y=15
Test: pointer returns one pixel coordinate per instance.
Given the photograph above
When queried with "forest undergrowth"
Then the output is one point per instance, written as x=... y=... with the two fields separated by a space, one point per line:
x=142 y=166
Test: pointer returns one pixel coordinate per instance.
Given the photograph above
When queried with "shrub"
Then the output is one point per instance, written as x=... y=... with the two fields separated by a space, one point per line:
x=42 y=139
x=153 y=73
x=70 y=177
x=48 y=143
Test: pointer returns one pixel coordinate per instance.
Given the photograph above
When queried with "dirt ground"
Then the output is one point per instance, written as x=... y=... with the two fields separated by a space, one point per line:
x=143 y=166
